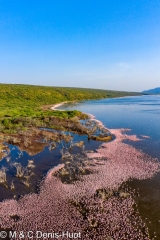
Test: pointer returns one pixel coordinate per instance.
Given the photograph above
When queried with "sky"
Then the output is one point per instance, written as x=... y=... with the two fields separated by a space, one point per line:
x=104 y=44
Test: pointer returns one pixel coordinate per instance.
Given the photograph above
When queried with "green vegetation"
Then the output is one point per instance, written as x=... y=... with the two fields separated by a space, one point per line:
x=22 y=102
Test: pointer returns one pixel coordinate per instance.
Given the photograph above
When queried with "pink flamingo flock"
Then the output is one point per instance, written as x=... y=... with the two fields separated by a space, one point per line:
x=115 y=218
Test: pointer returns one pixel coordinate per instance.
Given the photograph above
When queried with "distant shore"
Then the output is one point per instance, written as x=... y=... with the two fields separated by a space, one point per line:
x=55 y=106
x=58 y=105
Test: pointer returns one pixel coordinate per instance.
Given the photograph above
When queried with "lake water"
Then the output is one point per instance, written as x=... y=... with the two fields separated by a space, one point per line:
x=142 y=115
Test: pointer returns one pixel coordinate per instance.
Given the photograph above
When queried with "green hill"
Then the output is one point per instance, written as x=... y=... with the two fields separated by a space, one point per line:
x=21 y=105
x=25 y=100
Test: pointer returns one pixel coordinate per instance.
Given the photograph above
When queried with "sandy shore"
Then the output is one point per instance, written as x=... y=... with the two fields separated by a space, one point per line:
x=58 y=105
x=55 y=106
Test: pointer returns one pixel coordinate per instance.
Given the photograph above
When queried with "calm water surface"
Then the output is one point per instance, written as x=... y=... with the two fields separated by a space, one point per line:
x=142 y=115
x=43 y=162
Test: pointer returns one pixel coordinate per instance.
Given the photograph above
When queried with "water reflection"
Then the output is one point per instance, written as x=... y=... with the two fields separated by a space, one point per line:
x=21 y=173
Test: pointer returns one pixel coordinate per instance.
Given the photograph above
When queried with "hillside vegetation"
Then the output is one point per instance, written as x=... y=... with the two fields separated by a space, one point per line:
x=26 y=101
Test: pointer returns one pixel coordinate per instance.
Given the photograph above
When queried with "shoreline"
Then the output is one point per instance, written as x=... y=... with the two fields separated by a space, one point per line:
x=91 y=117
x=60 y=104
x=57 y=105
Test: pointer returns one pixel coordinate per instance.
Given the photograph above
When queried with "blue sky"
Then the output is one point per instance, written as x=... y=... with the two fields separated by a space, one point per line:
x=81 y=43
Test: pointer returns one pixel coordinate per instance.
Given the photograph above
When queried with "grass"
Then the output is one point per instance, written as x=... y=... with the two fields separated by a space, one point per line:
x=26 y=101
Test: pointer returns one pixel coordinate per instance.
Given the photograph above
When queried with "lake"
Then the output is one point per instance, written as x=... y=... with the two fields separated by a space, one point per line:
x=142 y=115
